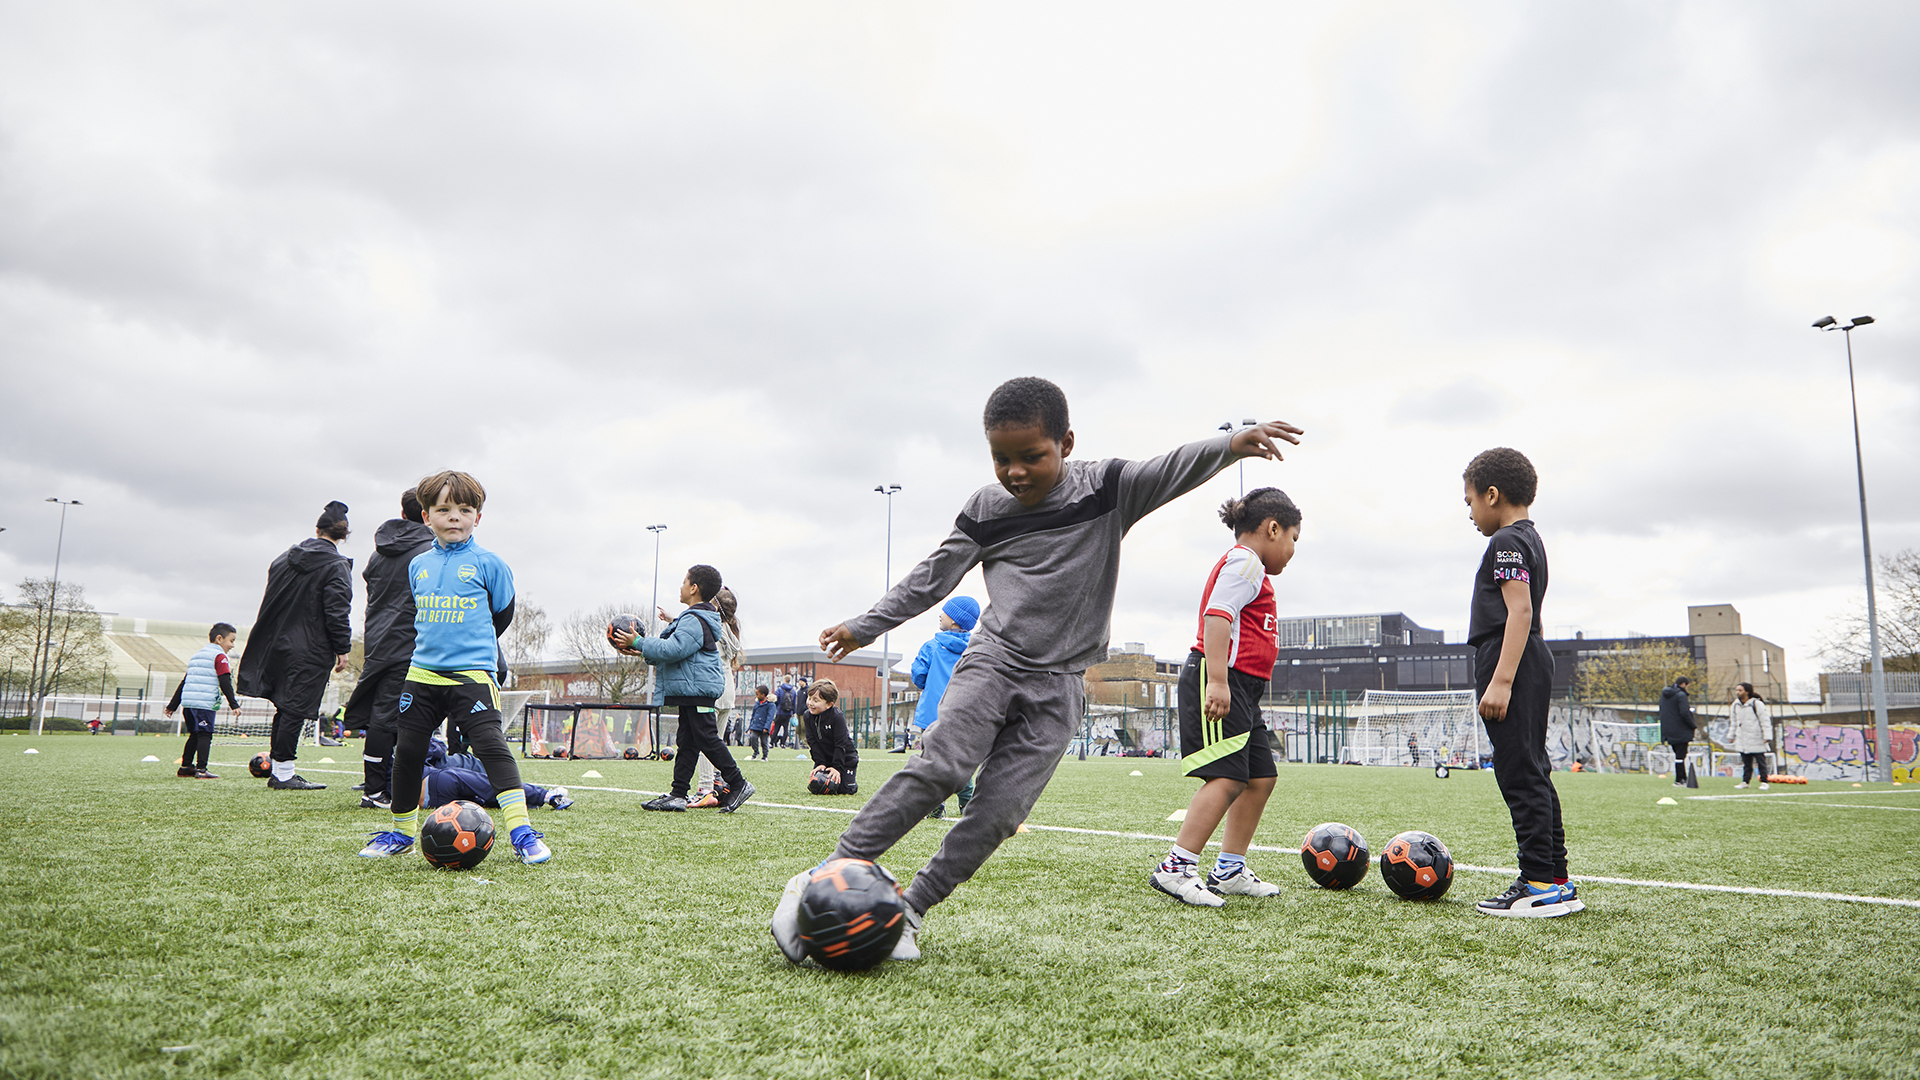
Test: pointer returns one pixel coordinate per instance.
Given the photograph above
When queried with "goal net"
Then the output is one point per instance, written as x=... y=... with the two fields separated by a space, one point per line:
x=594 y=731
x=1404 y=727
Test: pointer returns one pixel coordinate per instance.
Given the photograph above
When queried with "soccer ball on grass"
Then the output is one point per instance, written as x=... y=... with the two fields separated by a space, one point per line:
x=261 y=766
x=1417 y=866
x=851 y=914
x=1335 y=855
x=457 y=836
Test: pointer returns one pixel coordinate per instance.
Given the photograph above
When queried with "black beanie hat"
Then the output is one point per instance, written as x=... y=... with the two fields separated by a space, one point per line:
x=335 y=513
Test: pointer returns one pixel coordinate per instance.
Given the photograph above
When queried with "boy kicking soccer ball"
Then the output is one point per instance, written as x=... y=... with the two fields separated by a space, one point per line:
x=463 y=601
x=1223 y=740
x=1513 y=672
x=1048 y=540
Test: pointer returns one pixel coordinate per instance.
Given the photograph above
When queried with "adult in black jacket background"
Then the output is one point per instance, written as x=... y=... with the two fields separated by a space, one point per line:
x=300 y=638
x=375 y=704
x=1676 y=725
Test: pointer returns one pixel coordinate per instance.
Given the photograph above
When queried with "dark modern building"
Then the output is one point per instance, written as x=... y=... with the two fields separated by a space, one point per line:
x=1386 y=651
x=1389 y=651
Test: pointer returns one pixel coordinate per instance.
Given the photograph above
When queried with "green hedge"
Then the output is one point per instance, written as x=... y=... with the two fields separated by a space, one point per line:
x=54 y=723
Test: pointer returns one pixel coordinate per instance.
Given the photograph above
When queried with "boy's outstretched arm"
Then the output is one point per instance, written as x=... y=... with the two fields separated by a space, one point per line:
x=1519 y=598
x=1147 y=485
x=924 y=586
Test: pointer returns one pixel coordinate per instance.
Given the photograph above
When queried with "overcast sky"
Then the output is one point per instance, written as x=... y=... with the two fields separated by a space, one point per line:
x=729 y=266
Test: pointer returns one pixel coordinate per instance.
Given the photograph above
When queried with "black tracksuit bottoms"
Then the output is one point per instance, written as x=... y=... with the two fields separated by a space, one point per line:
x=375 y=706
x=700 y=735
x=1520 y=763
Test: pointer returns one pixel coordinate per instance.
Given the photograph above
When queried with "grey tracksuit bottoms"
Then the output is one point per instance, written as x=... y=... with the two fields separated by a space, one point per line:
x=1011 y=725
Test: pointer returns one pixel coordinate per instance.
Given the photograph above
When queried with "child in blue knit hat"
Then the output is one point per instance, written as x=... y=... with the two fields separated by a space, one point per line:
x=934 y=666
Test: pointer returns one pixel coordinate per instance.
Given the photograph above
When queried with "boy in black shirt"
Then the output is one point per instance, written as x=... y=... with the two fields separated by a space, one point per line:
x=1513 y=672
x=834 y=758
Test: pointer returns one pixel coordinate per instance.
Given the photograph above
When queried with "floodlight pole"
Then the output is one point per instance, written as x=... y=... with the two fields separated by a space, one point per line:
x=653 y=611
x=46 y=639
x=1877 y=679
x=886 y=660
x=1228 y=426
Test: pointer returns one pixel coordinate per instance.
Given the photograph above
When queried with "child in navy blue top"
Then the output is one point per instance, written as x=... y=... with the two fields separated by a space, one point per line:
x=1513 y=672
x=761 y=723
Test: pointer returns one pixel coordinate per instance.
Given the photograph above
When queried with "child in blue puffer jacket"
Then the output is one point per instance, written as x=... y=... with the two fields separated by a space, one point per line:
x=687 y=654
x=934 y=666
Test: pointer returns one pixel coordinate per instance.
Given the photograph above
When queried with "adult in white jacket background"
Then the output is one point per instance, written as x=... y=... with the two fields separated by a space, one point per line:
x=1750 y=734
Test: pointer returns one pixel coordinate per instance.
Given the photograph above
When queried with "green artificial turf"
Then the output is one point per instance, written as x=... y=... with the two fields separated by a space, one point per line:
x=148 y=912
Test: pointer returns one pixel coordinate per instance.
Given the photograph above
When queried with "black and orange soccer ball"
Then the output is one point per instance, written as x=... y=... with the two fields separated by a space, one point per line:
x=261 y=766
x=1417 y=866
x=457 y=836
x=851 y=914
x=1335 y=855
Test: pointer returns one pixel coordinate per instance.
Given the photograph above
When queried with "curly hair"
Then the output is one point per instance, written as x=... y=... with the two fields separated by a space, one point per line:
x=1506 y=469
x=1244 y=514
x=706 y=579
x=1028 y=401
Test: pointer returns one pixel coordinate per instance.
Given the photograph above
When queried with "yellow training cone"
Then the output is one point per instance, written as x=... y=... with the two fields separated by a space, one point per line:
x=591 y=774
x=1666 y=800
x=1136 y=772
x=1020 y=828
x=1178 y=815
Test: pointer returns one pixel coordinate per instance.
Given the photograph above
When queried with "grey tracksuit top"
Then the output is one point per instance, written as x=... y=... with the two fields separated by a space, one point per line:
x=1051 y=570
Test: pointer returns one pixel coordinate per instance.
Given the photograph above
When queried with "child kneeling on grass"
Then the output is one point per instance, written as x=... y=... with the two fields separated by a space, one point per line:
x=834 y=758
x=1223 y=740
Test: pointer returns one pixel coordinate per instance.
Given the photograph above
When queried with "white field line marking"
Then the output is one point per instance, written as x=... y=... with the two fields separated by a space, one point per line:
x=1865 y=806
x=1503 y=871
x=1792 y=794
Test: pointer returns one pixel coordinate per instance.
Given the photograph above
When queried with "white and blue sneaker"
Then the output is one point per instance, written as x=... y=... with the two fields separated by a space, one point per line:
x=530 y=845
x=1241 y=882
x=383 y=844
x=1530 y=900
x=558 y=799
x=1182 y=882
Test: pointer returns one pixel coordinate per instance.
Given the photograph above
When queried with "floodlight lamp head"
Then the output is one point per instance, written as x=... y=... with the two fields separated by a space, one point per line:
x=1226 y=425
x=1826 y=323
x=1860 y=320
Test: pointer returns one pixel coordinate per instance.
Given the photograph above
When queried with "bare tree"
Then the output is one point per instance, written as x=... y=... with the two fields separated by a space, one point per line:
x=526 y=640
x=1843 y=645
x=55 y=639
x=1631 y=674
x=583 y=640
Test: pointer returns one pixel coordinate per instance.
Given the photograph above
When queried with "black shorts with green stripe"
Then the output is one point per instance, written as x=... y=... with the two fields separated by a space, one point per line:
x=1234 y=747
x=462 y=697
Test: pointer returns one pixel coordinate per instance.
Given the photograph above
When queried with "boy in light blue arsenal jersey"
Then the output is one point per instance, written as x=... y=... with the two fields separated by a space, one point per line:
x=463 y=601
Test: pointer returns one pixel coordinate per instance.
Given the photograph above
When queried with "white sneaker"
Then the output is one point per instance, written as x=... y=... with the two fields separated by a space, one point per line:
x=1241 y=882
x=1742 y=785
x=1185 y=887
x=908 y=947
x=786 y=917
x=1763 y=785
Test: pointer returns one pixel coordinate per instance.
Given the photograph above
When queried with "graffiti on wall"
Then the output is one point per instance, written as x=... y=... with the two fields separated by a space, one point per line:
x=1843 y=751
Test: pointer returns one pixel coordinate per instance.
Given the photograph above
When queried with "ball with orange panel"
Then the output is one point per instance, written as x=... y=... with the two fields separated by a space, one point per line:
x=261 y=766
x=1335 y=855
x=457 y=836
x=851 y=914
x=1417 y=866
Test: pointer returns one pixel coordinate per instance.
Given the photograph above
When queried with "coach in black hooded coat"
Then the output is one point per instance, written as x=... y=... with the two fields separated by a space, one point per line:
x=301 y=636
x=375 y=704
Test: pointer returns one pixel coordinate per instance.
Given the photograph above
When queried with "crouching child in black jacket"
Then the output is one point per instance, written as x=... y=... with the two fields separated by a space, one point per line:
x=834 y=758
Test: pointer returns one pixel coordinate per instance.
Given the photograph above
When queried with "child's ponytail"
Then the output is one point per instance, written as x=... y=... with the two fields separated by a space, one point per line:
x=1244 y=514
